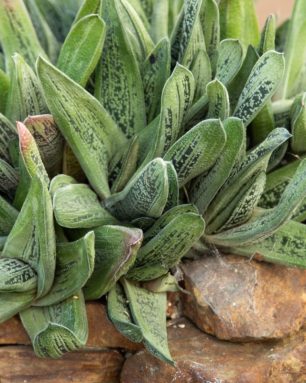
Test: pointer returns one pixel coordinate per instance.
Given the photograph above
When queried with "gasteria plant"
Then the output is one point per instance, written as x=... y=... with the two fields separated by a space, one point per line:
x=145 y=130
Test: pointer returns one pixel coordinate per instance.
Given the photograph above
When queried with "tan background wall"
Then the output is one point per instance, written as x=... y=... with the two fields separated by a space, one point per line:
x=282 y=8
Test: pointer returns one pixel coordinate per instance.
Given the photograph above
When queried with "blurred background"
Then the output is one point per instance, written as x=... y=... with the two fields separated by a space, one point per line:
x=282 y=8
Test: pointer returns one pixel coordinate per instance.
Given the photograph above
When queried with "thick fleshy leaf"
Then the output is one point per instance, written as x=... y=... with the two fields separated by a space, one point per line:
x=44 y=33
x=298 y=125
x=262 y=83
x=201 y=145
x=32 y=238
x=241 y=178
x=82 y=49
x=60 y=181
x=4 y=86
x=149 y=313
x=238 y=20
x=49 y=140
x=145 y=195
x=71 y=165
x=159 y=19
x=8 y=179
x=230 y=56
x=25 y=96
x=8 y=216
x=218 y=101
x=155 y=72
x=77 y=206
x=206 y=186
x=286 y=246
x=74 y=266
x=16 y=276
x=173 y=196
x=84 y=123
x=295 y=50
x=263 y=124
x=89 y=7
x=12 y=303
x=209 y=17
x=116 y=250
x=58 y=328
x=8 y=133
x=118 y=81
x=267 y=41
x=120 y=315
x=202 y=72
x=268 y=222
x=166 y=249
x=17 y=33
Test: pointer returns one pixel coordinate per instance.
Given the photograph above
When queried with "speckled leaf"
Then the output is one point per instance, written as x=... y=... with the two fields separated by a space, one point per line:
x=295 y=50
x=184 y=29
x=173 y=196
x=201 y=145
x=230 y=57
x=120 y=315
x=156 y=70
x=17 y=33
x=77 y=206
x=298 y=124
x=167 y=283
x=206 y=186
x=8 y=179
x=116 y=250
x=267 y=41
x=60 y=181
x=149 y=313
x=49 y=140
x=82 y=49
x=286 y=246
x=16 y=276
x=145 y=195
x=7 y=133
x=30 y=154
x=218 y=100
x=58 y=328
x=25 y=96
x=166 y=249
x=238 y=20
x=269 y=222
x=74 y=266
x=71 y=165
x=32 y=238
x=8 y=216
x=209 y=17
x=202 y=72
x=84 y=123
x=118 y=81
x=260 y=86
x=44 y=33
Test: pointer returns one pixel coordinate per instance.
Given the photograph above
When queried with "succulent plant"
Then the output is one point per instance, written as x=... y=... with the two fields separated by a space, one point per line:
x=134 y=133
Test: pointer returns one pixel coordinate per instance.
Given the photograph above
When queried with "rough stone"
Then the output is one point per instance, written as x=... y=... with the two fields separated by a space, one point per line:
x=237 y=299
x=18 y=364
x=201 y=358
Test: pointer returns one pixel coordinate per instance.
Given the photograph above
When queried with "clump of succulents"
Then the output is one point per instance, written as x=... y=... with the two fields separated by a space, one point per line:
x=134 y=133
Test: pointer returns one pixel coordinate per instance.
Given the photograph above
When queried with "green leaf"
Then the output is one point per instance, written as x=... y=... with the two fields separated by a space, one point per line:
x=60 y=181
x=298 y=124
x=206 y=186
x=12 y=303
x=230 y=57
x=262 y=124
x=25 y=96
x=238 y=20
x=8 y=216
x=219 y=105
x=120 y=315
x=74 y=266
x=7 y=134
x=32 y=238
x=267 y=41
x=145 y=195
x=77 y=206
x=116 y=250
x=295 y=50
x=16 y=276
x=173 y=196
x=71 y=165
x=268 y=223
x=286 y=246
x=281 y=36
x=159 y=19
x=58 y=328
x=156 y=70
x=8 y=179
x=168 y=246
x=88 y=7
x=201 y=145
x=149 y=313
x=17 y=34
x=49 y=140
x=202 y=73
x=4 y=87
x=44 y=33
x=118 y=81
x=260 y=86
x=85 y=124
x=82 y=49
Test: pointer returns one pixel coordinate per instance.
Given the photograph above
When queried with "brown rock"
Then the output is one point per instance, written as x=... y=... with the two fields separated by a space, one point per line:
x=18 y=364
x=201 y=358
x=102 y=333
x=234 y=298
